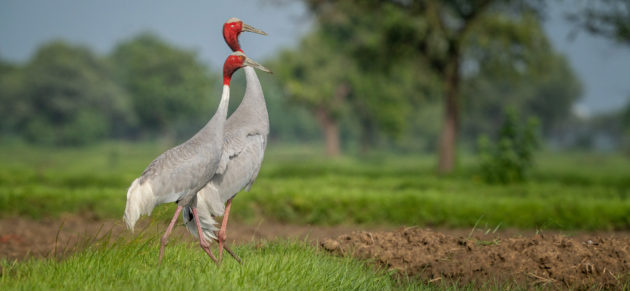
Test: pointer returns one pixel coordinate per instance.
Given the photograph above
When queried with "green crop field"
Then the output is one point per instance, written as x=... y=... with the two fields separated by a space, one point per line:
x=298 y=185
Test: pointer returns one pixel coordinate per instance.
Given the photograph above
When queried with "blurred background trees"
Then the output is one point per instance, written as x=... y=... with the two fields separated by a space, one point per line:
x=403 y=76
x=169 y=87
x=608 y=18
x=64 y=95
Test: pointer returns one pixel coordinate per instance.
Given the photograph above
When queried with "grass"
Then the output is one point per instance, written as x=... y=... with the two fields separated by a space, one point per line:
x=133 y=265
x=296 y=185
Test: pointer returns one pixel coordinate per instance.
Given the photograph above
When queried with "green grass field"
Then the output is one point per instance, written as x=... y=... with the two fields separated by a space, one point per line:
x=133 y=265
x=297 y=185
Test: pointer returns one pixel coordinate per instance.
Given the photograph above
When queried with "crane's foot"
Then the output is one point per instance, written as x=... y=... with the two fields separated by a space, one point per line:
x=206 y=247
x=222 y=246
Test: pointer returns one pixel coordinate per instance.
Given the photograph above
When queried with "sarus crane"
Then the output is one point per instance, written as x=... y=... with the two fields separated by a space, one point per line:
x=246 y=133
x=179 y=173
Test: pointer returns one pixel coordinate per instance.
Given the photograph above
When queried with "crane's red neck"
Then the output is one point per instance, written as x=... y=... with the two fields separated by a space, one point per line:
x=232 y=63
x=231 y=31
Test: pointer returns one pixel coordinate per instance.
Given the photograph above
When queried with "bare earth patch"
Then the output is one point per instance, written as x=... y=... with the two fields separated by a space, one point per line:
x=552 y=260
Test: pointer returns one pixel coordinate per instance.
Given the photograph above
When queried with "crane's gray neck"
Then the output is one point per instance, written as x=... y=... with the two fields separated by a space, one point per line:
x=215 y=127
x=254 y=96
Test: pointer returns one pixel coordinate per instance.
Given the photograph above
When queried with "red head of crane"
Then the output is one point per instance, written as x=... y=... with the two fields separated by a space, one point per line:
x=232 y=28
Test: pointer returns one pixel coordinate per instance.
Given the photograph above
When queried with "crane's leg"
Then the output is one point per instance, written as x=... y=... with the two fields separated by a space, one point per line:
x=204 y=244
x=232 y=254
x=221 y=235
x=168 y=232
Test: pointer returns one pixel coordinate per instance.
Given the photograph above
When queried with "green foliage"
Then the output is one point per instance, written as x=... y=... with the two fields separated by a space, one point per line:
x=405 y=57
x=123 y=265
x=315 y=75
x=170 y=89
x=608 y=18
x=511 y=157
x=625 y=128
x=364 y=73
x=64 y=95
x=299 y=186
x=289 y=122
x=328 y=78
x=536 y=81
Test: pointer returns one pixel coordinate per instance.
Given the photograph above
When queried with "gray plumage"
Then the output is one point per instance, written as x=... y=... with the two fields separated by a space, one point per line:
x=246 y=133
x=179 y=173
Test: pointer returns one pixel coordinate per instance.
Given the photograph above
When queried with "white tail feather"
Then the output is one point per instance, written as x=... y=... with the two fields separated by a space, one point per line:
x=208 y=206
x=140 y=200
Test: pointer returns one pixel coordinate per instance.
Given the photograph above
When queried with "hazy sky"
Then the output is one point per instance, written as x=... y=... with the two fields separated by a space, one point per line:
x=24 y=25
x=603 y=67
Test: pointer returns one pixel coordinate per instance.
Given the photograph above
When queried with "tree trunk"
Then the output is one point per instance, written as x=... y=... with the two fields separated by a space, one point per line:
x=450 y=127
x=330 y=127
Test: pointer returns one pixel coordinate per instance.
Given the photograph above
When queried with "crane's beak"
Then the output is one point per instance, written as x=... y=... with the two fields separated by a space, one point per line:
x=247 y=27
x=252 y=63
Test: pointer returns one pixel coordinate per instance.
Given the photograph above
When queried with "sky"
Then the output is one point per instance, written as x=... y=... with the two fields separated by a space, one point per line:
x=602 y=66
x=196 y=25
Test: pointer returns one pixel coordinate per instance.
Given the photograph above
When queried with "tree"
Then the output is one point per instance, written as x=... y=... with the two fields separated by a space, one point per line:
x=170 y=89
x=434 y=29
x=515 y=68
x=608 y=18
x=625 y=134
x=378 y=96
x=12 y=105
x=68 y=97
x=317 y=77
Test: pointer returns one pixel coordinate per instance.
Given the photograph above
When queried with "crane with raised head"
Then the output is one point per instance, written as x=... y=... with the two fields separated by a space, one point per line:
x=246 y=133
x=179 y=173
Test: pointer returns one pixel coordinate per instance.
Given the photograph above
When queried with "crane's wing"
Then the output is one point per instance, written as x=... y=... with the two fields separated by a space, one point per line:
x=244 y=154
x=245 y=139
x=170 y=176
x=243 y=151
x=176 y=170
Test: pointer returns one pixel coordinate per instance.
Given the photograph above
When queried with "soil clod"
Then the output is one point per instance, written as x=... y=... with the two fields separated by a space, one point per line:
x=553 y=260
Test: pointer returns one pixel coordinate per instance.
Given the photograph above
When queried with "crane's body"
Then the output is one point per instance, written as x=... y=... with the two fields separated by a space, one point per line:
x=179 y=173
x=246 y=133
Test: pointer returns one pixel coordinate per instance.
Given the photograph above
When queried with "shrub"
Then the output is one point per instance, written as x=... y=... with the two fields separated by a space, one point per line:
x=509 y=158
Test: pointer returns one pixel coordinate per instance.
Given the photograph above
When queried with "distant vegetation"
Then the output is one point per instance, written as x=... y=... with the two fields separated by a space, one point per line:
x=298 y=185
x=359 y=83
x=510 y=157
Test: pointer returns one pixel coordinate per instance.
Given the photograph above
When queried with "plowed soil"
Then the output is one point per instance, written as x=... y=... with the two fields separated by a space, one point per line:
x=579 y=260
x=583 y=261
